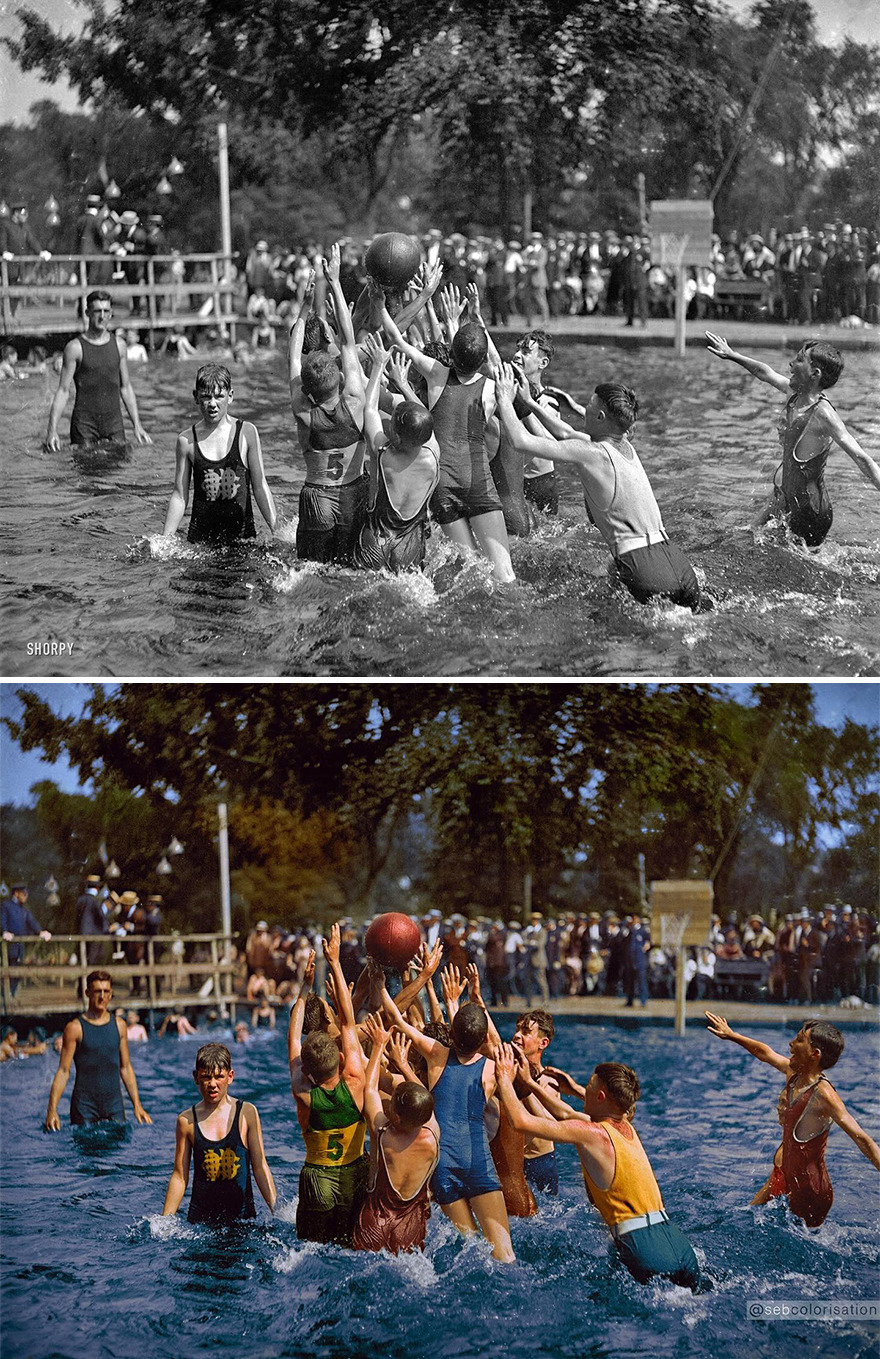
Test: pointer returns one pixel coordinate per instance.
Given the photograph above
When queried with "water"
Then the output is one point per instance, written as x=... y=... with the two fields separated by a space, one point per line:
x=91 y=1270
x=83 y=563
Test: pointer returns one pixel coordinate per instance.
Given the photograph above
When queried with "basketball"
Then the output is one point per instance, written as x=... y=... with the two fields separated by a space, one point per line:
x=392 y=939
x=392 y=259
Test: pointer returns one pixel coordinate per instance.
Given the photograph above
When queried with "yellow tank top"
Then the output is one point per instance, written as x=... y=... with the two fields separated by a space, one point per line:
x=633 y=1191
x=336 y=1132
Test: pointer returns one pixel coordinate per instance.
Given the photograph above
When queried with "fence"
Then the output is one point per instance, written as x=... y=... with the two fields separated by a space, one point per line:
x=46 y=297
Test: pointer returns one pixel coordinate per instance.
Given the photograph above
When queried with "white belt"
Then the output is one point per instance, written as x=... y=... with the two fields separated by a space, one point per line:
x=634 y=1224
x=630 y=542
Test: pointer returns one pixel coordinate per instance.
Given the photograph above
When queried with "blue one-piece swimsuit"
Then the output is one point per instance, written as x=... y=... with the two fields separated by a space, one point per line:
x=465 y=1168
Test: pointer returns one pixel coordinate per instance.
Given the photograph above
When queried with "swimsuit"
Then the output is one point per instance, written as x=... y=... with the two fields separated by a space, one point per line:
x=542 y=1172
x=97 y=413
x=465 y=1168
x=387 y=1221
x=508 y=1153
x=386 y=540
x=327 y=514
x=97 y=1094
x=222 y=1191
x=802 y=487
x=222 y=512
x=803 y=1175
x=333 y=1179
x=465 y=489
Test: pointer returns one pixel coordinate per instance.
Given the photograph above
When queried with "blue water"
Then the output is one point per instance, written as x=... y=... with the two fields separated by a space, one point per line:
x=91 y=1270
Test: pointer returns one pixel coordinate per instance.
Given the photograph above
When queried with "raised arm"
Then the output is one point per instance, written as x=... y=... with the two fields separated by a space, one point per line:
x=298 y=1013
x=428 y=1047
x=567 y=1130
x=351 y=364
x=379 y=357
x=762 y=371
x=398 y=371
x=475 y=994
x=831 y=421
x=262 y=493
x=831 y=1103
x=297 y=338
x=721 y=1029
x=472 y=293
x=353 y=1057
x=378 y=1036
x=410 y=311
x=423 y=363
x=180 y=1174
x=452 y=984
x=572 y=449
x=407 y=994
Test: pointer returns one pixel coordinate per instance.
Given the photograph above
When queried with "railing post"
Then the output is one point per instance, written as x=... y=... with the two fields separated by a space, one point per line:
x=4 y=973
x=215 y=280
x=151 y=300
x=83 y=967
x=151 y=978
x=215 y=959
x=7 y=305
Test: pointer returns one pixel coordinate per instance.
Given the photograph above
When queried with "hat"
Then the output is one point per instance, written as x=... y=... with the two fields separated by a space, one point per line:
x=756 y=237
x=261 y=245
x=756 y=917
x=846 y=910
x=594 y=915
x=129 y=217
x=513 y=924
x=537 y=236
x=19 y=887
x=536 y=915
x=805 y=914
x=126 y=899
x=261 y=925
x=93 y=880
x=155 y=217
x=514 y=245
x=154 y=900
x=93 y=200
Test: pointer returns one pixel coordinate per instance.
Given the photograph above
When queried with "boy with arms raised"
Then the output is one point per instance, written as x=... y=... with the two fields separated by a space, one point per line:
x=223 y=1138
x=807 y=1107
x=328 y=1087
x=223 y=459
x=808 y=427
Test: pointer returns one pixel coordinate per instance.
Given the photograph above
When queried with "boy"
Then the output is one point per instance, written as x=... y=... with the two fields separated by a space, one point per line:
x=225 y=460
x=617 y=492
x=392 y=531
x=224 y=1139
x=807 y=1107
x=328 y=407
x=328 y=1087
x=535 y=1031
x=404 y=1149
x=808 y=427
x=617 y=1172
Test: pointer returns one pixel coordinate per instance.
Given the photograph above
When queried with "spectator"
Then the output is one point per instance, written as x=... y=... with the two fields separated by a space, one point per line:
x=16 y=919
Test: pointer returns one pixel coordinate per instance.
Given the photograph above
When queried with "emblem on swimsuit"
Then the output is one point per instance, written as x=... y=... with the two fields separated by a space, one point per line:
x=221 y=1165
x=221 y=485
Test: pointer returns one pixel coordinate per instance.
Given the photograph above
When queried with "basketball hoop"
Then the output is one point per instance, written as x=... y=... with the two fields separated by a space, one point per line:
x=673 y=929
x=672 y=249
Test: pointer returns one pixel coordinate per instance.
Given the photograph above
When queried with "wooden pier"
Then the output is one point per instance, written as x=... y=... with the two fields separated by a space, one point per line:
x=46 y=297
x=51 y=978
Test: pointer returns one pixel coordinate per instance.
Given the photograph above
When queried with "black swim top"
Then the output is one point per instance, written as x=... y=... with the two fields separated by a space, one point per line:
x=222 y=512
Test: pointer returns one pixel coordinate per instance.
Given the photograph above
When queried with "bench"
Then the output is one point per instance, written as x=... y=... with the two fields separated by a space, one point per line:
x=741 y=294
x=734 y=975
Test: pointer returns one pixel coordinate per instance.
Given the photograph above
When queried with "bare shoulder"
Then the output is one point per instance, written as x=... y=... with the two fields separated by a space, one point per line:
x=73 y=1031
x=73 y=350
x=121 y=345
x=185 y=1122
x=827 y=417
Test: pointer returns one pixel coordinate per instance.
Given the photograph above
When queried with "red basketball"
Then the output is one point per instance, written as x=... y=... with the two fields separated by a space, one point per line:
x=392 y=939
x=392 y=259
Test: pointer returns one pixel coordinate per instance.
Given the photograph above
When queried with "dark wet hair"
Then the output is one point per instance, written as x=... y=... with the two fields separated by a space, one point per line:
x=542 y=1020
x=413 y=1104
x=412 y=423
x=439 y=1030
x=469 y=348
x=827 y=359
x=314 y=340
x=828 y=1039
x=98 y=975
x=313 y=1020
x=320 y=375
x=97 y=295
x=620 y=403
x=213 y=1057
x=320 y=1057
x=622 y=1084
x=469 y=1028
x=543 y=341
x=438 y=349
x=212 y=375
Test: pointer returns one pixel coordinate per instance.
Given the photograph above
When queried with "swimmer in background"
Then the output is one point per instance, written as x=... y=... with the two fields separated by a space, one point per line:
x=135 y=1031
x=8 y=363
x=808 y=427
x=404 y=1149
x=97 y=1044
x=535 y=1032
x=224 y=459
x=96 y=365
x=224 y=1140
x=807 y=1107
x=617 y=492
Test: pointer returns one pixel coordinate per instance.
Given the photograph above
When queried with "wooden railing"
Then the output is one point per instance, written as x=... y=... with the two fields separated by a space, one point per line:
x=51 y=977
x=42 y=297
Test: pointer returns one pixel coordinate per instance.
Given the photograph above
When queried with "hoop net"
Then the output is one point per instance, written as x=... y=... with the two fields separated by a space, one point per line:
x=673 y=928
x=672 y=249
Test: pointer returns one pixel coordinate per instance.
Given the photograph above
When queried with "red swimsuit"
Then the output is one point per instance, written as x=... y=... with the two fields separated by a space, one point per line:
x=803 y=1175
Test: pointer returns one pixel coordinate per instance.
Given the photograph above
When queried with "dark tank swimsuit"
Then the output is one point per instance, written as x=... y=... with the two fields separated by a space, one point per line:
x=222 y=512
x=387 y=1221
x=97 y=1094
x=97 y=413
x=222 y=1191
x=802 y=487
x=803 y=1175
x=388 y=541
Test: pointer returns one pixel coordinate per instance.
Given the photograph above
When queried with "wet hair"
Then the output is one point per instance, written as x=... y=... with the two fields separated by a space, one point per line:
x=320 y=1057
x=438 y=349
x=97 y=295
x=314 y=341
x=38 y=1033
x=8 y=351
x=213 y=1057
x=412 y=424
x=827 y=1038
x=469 y=1028
x=620 y=403
x=622 y=1084
x=212 y=375
x=469 y=348
x=542 y=340
x=413 y=1104
x=542 y=1020
x=313 y=1020
x=98 y=976
x=827 y=359
x=439 y=1030
x=320 y=375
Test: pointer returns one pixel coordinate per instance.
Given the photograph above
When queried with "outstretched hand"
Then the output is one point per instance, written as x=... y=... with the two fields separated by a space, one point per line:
x=505 y=380
x=505 y=1062
x=398 y=370
x=718 y=345
x=332 y=265
x=309 y=972
x=375 y=1030
x=718 y=1025
x=376 y=351
x=433 y=960
x=451 y=302
x=332 y=944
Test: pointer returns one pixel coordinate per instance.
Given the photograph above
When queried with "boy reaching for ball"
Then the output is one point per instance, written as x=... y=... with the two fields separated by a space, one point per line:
x=223 y=458
x=807 y=1107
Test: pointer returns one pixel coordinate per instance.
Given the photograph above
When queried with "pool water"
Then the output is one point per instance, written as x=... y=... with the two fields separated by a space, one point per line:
x=92 y=1271
x=83 y=562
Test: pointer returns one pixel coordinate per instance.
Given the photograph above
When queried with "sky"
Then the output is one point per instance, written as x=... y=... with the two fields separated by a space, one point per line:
x=836 y=19
x=860 y=701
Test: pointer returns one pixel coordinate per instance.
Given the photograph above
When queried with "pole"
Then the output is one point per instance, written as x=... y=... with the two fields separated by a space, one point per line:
x=527 y=215
x=680 y=992
x=643 y=207
x=225 y=211
x=527 y=894
x=225 y=912
x=680 y=309
x=643 y=890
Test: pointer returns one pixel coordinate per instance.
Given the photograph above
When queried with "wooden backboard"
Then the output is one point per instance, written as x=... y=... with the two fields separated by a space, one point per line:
x=681 y=231
x=686 y=896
